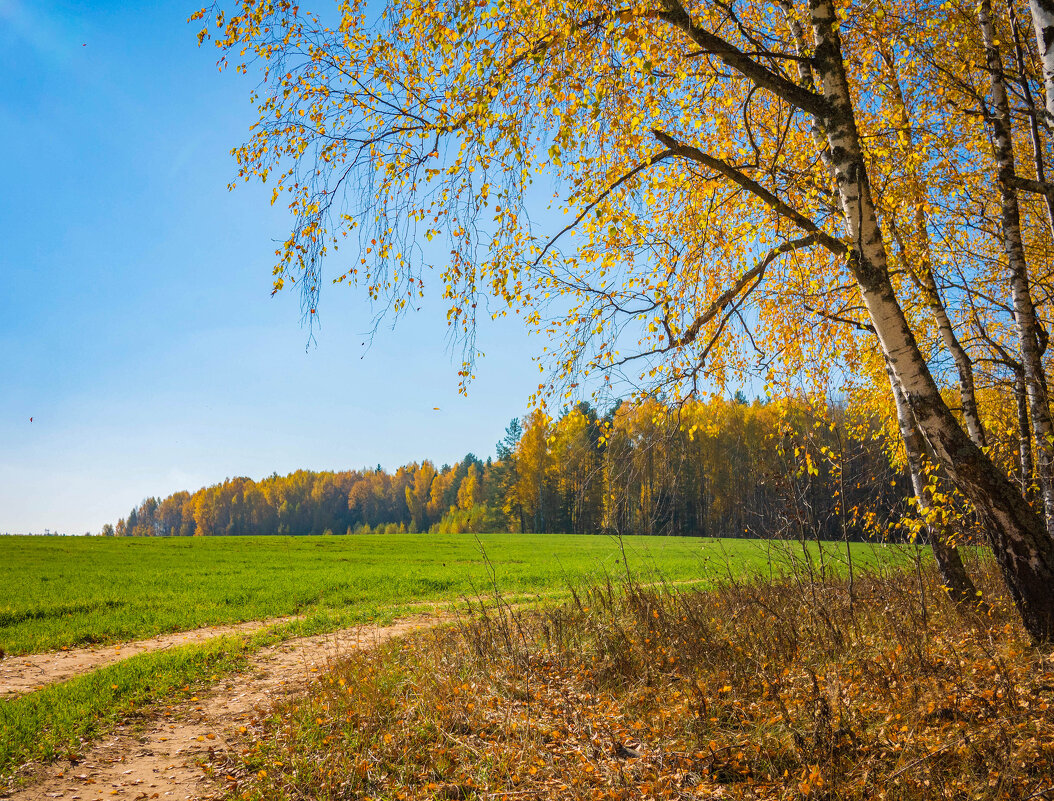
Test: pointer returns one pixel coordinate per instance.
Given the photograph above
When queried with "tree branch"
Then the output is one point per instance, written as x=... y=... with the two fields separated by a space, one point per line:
x=837 y=318
x=755 y=274
x=1044 y=188
x=643 y=165
x=797 y=96
x=675 y=148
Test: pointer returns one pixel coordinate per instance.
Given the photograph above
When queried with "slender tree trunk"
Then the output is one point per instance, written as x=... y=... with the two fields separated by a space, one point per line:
x=1024 y=310
x=1024 y=434
x=807 y=81
x=1020 y=542
x=1043 y=21
x=957 y=582
x=963 y=363
x=923 y=275
x=1034 y=114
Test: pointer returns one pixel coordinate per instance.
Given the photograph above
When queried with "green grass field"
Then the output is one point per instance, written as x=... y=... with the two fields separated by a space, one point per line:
x=61 y=592
x=57 y=592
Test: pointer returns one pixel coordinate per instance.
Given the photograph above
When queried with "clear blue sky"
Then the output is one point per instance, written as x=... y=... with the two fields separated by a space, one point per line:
x=136 y=326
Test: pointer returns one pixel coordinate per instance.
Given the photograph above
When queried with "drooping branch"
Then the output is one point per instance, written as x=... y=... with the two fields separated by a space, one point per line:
x=734 y=296
x=754 y=274
x=600 y=199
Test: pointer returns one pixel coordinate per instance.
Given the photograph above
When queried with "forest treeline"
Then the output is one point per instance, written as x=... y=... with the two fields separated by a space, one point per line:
x=714 y=468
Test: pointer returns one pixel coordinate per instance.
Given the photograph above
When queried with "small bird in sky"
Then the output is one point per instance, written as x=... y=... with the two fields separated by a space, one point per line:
x=31 y=419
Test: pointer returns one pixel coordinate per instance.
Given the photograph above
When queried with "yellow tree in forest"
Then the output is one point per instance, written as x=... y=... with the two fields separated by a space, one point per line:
x=419 y=494
x=728 y=177
x=534 y=474
x=470 y=493
x=579 y=474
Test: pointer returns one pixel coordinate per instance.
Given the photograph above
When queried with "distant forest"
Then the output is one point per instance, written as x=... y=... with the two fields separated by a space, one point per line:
x=717 y=468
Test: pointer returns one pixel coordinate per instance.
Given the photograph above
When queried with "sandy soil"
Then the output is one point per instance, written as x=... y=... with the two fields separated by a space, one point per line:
x=22 y=674
x=158 y=757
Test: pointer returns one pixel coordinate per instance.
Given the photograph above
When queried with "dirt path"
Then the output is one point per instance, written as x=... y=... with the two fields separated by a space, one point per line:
x=157 y=758
x=23 y=674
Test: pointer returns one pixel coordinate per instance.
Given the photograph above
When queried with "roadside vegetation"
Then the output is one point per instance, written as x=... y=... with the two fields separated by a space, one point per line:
x=184 y=583
x=798 y=688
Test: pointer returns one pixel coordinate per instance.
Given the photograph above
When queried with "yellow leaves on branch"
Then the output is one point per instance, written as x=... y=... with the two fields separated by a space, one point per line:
x=509 y=149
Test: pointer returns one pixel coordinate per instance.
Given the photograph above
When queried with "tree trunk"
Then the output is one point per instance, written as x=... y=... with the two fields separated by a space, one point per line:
x=923 y=276
x=963 y=364
x=1035 y=116
x=1024 y=310
x=1043 y=21
x=957 y=582
x=1024 y=434
x=1024 y=551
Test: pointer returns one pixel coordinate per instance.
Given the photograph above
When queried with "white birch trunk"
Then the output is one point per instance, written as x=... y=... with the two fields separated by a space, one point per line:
x=924 y=275
x=1043 y=22
x=1034 y=114
x=1024 y=436
x=1020 y=542
x=957 y=582
x=1024 y=310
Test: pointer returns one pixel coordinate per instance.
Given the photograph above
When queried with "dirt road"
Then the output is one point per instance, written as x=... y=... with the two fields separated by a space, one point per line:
x=23 y=674
x=158 y=758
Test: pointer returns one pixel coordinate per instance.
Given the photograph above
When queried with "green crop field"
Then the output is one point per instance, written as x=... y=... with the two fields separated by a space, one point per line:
x=60 y=592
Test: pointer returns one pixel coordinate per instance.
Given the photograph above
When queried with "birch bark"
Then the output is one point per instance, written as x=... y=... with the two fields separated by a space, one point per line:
x=1020 y=542
x=1043 y=22
x=957 y=582
x=923 y=274
x=1035 y=116
x=1024 y=310
x=1024 y=429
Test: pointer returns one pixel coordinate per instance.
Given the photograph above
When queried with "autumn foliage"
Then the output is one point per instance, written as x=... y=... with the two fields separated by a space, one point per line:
x=832 y=193
x=719 y=468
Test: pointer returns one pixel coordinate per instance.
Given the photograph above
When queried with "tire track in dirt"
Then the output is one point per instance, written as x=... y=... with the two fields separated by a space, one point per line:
x=158 y=757
x=23 y=674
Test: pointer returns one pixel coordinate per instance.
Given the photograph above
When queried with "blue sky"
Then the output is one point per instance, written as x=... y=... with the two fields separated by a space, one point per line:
x=136 y=323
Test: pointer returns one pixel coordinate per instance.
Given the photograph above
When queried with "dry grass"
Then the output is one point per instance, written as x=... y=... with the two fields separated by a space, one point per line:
x=758 y=691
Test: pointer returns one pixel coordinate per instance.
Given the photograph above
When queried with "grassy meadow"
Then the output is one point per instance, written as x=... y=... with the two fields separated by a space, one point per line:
x=64 y=592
